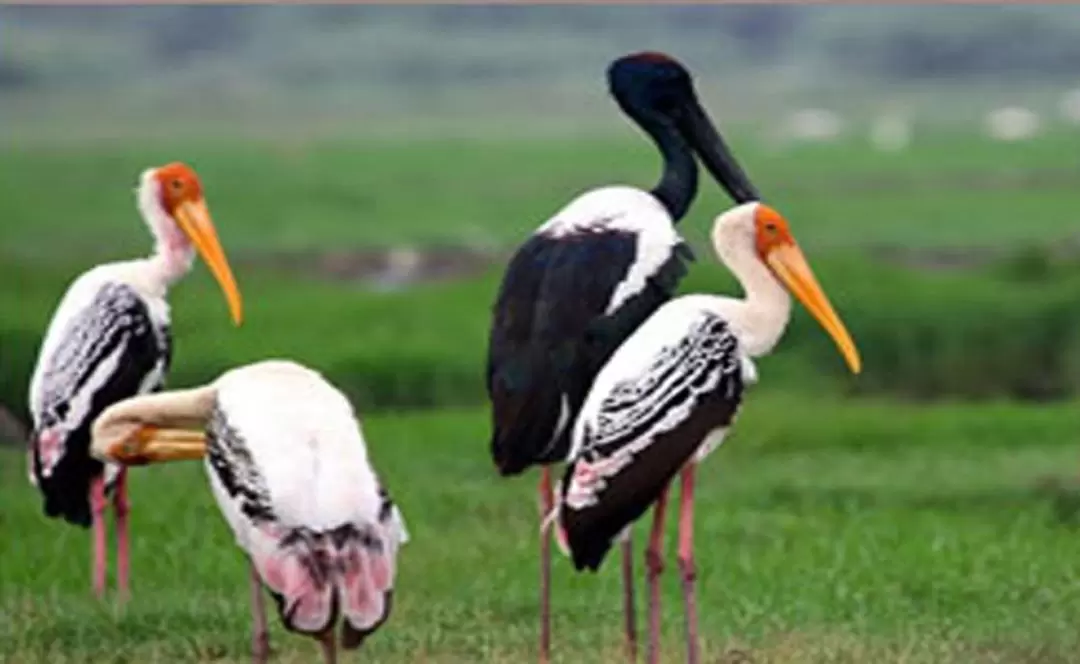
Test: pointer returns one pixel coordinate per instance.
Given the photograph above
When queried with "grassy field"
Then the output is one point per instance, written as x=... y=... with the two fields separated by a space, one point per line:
x=832 y=528
x=947 y=191
x=66 y=206
x=827 y=532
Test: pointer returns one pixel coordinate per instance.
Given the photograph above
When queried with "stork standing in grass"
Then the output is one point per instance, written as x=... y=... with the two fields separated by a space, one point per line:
x=670 y=392
x=109 y=340
x=290 y=472
x=588 y=277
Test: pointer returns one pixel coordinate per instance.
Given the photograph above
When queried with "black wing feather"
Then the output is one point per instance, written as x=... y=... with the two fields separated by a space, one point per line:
x=648 y=427
x=116 y=321
x=551 y=334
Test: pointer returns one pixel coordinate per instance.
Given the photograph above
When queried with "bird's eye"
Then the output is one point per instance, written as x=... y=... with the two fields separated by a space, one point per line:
x=770 y=227
x=177 y=184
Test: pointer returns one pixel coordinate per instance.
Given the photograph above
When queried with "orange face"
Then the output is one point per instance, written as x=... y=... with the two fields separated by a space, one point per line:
x=777 y=248
x=770 y=230
x=182 y=198
x=179 y=184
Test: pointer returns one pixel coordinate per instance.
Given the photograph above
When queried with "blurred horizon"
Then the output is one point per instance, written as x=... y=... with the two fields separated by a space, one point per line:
x=71 y=72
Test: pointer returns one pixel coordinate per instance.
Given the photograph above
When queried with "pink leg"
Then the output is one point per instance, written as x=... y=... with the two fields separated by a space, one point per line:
x=654 y=565
x=97 y=511
x=686 y=561
x=120 y=505
x=260 y=637
x=547 y=501
x=628 y=598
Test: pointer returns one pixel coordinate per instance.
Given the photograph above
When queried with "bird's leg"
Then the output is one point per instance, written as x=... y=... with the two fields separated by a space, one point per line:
x=120 y=507
x=97 y=512
x=628 y=596
x=547 y=501
x=329 y=648
x=687 y=571
x=654 y=565
x=260 y=637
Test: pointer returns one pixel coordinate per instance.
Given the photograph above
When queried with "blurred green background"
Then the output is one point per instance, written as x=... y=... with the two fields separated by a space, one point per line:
x=371 y=168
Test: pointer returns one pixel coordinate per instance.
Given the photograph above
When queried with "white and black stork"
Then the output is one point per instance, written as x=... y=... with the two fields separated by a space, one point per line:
x=588 y=277
x=670 y=392
x=110 y=339
x=290 y=471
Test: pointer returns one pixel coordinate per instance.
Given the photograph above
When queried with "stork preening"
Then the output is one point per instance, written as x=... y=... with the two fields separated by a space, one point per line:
x=670 y=392
x=290 y=472
x=109 y=340
x=588 y=277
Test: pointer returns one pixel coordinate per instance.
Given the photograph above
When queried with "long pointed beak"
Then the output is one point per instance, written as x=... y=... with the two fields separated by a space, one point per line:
x=157 y=446
x=789 y=264
x=194 y=220
x=701 y=135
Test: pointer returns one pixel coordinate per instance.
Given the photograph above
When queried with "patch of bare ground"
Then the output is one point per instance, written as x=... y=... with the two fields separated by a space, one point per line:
x=970 y=258
x=389 y=269
x=383 y=268
x=1031 y=179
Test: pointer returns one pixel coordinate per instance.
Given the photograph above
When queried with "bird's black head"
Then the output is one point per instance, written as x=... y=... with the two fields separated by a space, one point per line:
x=658 y=93
x=650 y=84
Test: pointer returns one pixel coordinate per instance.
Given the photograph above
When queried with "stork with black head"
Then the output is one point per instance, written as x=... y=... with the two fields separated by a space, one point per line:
x=588 y=277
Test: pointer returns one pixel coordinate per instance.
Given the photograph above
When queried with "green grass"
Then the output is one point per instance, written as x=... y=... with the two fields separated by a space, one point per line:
x=827 y=531
x=948 y=190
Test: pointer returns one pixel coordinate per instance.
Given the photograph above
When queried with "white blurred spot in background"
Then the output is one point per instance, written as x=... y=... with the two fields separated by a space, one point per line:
x=1069 y=106
x=1012 y=123
x=891 y=131
x=816 y=125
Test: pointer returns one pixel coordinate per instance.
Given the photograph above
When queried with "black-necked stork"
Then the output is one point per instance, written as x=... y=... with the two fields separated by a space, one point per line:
x=670 y=392
x=110 y=339
x=589 y=276
x=289 y=469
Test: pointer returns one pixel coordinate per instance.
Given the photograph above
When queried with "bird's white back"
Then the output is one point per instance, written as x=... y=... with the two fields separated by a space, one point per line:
x=306 y=442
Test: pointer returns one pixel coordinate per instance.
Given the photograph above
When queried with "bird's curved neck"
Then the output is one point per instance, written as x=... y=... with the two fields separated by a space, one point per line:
x=170 y=262
x=679 y=180
x=173 y=254
x=760 y=318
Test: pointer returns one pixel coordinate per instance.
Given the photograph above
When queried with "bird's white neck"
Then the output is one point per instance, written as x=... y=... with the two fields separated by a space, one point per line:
x=173 y=254
x=760 y=318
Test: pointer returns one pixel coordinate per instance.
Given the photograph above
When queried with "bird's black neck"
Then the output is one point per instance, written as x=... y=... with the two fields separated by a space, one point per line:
x=678 y=183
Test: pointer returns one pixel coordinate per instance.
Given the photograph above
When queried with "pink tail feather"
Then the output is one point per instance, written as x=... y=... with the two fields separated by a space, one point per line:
x=315 y=576
x=367 y=582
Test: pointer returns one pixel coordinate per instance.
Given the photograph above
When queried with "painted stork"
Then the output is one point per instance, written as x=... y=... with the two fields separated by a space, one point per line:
x=588 y=277
x=289 y=469
x=108 y=340
x=670 y=392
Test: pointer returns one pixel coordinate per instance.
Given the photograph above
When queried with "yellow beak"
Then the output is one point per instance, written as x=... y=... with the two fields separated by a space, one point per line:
x=789 y=264
x=152 y=445
x=194 y=220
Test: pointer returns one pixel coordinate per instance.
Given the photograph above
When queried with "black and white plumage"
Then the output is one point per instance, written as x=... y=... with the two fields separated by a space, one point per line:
x=597 y=269
x=645 y=426
x=579 y=286
x=590 y=276
x=670 y=393
x=289 y=469
x=111 y=348
x=109 y=339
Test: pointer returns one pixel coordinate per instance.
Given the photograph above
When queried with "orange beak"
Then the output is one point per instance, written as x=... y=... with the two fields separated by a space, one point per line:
x=194 y=220
x=151 y=445
x=789 y=264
